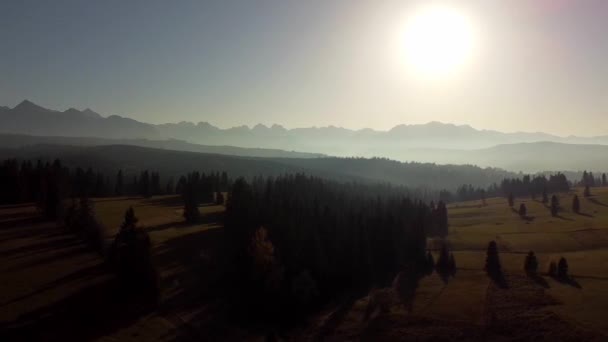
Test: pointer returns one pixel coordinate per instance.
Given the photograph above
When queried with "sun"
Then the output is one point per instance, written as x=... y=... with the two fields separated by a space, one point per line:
x=437 y=40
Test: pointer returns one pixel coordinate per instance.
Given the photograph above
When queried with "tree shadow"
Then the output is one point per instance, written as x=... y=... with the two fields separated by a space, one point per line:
x=499 y=280
x=16 y=206
x=90 y=313
x=563 y=218
x=80 y=275
x=595 y=201
x=40 y=247
x=537 y=278
x=166 y=201
x=569 y=281
x=585 y=214
x=26 y=221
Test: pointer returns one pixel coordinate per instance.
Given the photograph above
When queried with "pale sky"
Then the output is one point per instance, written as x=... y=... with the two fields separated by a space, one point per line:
x=536 y=65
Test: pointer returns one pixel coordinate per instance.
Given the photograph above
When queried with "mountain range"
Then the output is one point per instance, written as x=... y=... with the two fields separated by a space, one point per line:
x=432 y=142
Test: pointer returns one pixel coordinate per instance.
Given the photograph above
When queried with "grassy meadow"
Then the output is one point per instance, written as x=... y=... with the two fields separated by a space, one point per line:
x=44 y=267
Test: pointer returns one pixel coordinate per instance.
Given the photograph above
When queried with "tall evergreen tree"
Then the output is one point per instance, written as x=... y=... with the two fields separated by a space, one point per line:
x=604 y=180
x=587 y=192
x=523 y=210
x=511 y=200
x=531 y=263
x=576 y=204
x=493 y=267
x=554 y=205
x=545 y=196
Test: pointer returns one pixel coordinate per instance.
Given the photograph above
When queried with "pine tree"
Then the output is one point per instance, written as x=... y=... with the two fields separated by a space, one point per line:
x=562 y=269
x=522 y=210
x=442 y=218
x=545 y=196
x=552 y=269
x=576 y=204
x=452 y=264
x=554 y=205
x=531 y=263
x=492 y=266
x=587 y=192
x=604 y=180
x=511 y=200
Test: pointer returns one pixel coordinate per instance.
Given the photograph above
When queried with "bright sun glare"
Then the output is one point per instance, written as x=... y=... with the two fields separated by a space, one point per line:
x=437 y=40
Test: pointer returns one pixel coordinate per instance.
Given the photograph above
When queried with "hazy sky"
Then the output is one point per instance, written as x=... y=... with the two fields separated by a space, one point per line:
x=538 y=65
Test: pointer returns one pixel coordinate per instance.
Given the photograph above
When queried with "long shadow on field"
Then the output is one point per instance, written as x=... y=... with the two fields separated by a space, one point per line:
x=23 y=222
x=594 y=200
x=93 y=312
x=11 y=216
x=585 y=214
x=173 y=201
x=525 y=218
x=80 y=275
x=563 y=218
x=537 y=278
x=191 y=270
x=15 y=206
x=569 y=281
x=45 y=259
x=40 y=247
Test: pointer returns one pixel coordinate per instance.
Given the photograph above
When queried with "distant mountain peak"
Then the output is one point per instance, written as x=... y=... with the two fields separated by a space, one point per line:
x=29 y=106
x=90 y=113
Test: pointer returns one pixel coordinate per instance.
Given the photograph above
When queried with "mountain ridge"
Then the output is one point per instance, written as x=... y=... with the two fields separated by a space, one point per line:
x=29 y=118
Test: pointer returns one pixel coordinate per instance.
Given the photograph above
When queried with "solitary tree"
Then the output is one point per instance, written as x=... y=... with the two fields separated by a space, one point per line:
x=553 y=269
x=604 y=181
x=587 y=192
x=576 y=204
x=522 y=210
x=510 y=199
x=531 y=263
x=442 y=218
x=562 y=268
x=554 y=205
x=492 y=266
x=452 y=265
x=545 y=196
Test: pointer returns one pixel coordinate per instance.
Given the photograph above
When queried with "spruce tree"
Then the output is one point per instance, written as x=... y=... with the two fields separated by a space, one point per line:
x=587 y=192
x=511 y=200
x=554 y=205
x=531 y=263
x=576 y=204
x=522 y=210
x=545 y=196
x=452 y=264
x=552 y=269
x=492 y=266
x=604 y=180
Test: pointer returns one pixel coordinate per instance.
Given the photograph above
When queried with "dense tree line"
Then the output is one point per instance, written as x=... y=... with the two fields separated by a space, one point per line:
x=38 y=182
x=336 y=236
